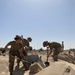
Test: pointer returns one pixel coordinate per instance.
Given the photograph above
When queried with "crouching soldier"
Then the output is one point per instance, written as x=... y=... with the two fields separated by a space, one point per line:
x=55 y=47
x=15 y=50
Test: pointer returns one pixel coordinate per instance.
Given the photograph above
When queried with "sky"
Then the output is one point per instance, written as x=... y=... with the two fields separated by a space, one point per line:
x=43 y=20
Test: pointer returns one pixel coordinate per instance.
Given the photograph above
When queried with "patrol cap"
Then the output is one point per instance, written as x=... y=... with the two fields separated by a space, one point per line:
x=17 y=37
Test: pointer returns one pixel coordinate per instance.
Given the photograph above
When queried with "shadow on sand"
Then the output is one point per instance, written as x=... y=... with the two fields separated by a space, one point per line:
x=19 y=71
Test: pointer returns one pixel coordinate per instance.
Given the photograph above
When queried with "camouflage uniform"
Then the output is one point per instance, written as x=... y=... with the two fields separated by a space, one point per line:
x=14 y=51
x=25 y=46
x=57 y=48
x=25 y=43
x=54 y=47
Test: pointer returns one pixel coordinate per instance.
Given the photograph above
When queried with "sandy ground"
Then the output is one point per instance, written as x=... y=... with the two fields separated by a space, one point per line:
x=19 y=71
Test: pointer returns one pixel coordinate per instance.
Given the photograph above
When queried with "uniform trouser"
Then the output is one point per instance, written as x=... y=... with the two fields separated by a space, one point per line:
x=12 y=55
x=55 y=55
x=18 y=61
x=25 y=64
x=55 y=58
x=24 y=54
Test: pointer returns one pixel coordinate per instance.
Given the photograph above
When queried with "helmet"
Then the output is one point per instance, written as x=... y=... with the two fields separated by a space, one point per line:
x=45 y=43
x=29 y=38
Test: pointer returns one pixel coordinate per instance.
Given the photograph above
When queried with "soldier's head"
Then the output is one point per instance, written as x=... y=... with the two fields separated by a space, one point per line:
x=17 y=38
x=29 y=39
x=45 y=43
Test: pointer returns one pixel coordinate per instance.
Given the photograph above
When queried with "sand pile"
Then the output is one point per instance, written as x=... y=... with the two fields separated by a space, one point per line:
x=3 y=66
x=56 y=68
x=59 y=68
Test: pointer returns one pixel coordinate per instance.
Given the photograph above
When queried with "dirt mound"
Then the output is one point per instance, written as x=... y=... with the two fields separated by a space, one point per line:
x=59 y=68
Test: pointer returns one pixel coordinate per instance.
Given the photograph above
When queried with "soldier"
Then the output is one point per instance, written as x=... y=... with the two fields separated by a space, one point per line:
x=54 y=47
x=15 y=50
x=26 y=47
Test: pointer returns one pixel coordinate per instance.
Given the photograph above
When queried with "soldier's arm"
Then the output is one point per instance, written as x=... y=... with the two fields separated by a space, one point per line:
x=4 y=50
x=8 y=44
x=51 y=49
x=21 y=49
x=28 y=44
x=49 y=53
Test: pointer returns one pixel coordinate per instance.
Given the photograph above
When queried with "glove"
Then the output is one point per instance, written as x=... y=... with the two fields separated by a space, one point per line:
x=3 y=51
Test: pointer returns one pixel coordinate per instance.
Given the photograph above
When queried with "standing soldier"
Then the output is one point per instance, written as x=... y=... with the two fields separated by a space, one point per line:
x=15 y=50
x=26 y=49
x=54 y=47
x=26 y=45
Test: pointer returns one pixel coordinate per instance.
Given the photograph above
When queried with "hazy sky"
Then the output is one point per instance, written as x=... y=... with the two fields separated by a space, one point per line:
x=52 y=20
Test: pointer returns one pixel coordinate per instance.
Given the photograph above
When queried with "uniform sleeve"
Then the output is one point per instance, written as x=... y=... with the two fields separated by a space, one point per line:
x=21 y=45
x=8 y=44
x=51 y=47
x=27 y=44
